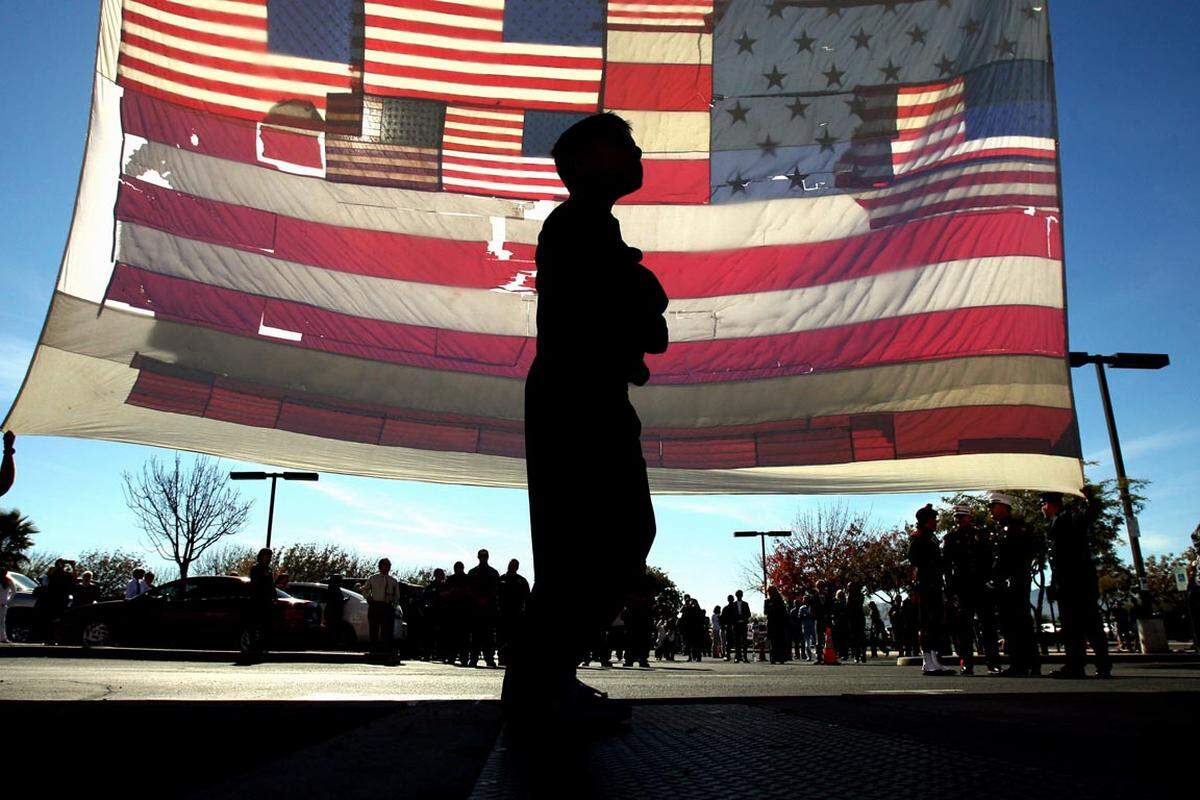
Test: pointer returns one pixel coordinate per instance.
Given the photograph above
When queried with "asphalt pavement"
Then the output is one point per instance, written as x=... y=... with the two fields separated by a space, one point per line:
x=712 y=729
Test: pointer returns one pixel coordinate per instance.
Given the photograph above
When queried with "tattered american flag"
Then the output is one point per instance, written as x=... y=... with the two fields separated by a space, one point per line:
x=305 y=236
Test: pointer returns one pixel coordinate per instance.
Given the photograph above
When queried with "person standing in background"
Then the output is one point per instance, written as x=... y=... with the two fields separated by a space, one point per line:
x=716 y=628
x=928 y=575
x=383 y=595
x=513 y=595
x=1074 y=587
x=262 y=603
x=1015 y=553
x=7 y=590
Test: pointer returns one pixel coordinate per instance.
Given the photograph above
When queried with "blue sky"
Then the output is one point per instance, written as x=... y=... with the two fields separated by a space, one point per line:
x=1129 y=117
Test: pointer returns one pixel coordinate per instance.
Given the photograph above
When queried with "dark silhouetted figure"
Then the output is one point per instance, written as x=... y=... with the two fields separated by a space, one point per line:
x=1074 y=587
x=967 y=553
x=433 y=608
x=1015 y=552
x=592 y=523
x=727 y=627
x=485 y=595
x=335 y=606
x=514 y=595
x=262 y=601
x=458 y=614
x=776 y=612
x=926 y=560
x=8 y=467
x=739 y=621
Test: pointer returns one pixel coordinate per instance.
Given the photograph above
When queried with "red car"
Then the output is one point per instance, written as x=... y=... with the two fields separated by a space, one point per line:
x=208 y=611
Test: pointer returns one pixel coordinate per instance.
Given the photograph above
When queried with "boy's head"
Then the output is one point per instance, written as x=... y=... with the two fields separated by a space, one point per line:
x=597 y=156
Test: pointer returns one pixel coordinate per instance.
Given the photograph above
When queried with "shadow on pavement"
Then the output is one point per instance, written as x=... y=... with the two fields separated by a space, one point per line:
x=1110 y=744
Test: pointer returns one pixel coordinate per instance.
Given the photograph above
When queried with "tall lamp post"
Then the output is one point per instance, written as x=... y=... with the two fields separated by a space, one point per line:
x=762 y=535
x=273 y=476
x=1124 y=361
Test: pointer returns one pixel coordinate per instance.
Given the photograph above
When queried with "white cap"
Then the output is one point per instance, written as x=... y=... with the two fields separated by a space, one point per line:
x=1002 y=498
x=962 y=509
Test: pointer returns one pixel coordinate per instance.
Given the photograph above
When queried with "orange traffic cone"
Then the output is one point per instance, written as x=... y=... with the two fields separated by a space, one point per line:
x=829 y=655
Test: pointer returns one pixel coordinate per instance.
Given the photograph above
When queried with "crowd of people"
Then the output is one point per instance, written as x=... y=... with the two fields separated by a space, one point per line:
x=970 y=588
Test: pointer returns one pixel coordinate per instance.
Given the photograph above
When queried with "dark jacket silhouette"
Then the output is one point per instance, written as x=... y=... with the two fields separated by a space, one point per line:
x=599 y=312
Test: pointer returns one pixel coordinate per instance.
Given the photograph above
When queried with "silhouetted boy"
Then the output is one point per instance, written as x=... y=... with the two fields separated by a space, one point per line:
x=599 y=312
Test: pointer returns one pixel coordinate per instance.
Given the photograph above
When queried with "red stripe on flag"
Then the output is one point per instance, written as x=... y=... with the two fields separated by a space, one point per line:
x=899 y=194
x=478 y=56
x=995 y=330
x=248 y=67
x=468 y=99
x=515 y=82
x=449 y=262
x=200 y=37
x=222 y=87
x=820 y=440
x=207 y=15
x=658 y=87
x=671 y=181
x=434 y=28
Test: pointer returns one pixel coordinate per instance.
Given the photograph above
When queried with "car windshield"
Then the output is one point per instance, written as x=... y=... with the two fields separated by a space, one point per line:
x=23 y=583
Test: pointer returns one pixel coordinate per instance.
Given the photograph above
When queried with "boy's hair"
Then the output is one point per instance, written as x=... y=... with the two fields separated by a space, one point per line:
x=574 y=143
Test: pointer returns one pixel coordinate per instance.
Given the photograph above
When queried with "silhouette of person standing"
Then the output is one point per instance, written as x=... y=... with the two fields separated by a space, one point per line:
x=592 y=523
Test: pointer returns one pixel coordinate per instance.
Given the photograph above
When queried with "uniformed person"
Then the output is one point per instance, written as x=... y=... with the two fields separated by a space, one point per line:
x=514 y=594
x=967 y=553
x=1074 y=587
x=458 y=614
x=925 y=557
x=433 y=611
x=1015 y=551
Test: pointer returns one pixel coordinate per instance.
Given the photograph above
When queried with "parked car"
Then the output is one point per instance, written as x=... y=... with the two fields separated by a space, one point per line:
x=20 y=608
x=354 y=614
x=202 y=611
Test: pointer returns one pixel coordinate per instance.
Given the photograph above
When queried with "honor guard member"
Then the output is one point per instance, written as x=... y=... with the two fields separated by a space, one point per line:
x=967 y=553
x=926 y=559
x=1074 y=587
x=1015 y=553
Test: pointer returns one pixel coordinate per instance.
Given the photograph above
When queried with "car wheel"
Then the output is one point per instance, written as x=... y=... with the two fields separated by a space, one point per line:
x=246 y=640
x=96 y=634
x=20 y=633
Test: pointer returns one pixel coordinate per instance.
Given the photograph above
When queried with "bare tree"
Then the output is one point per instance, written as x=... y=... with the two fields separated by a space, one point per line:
x=183 y=511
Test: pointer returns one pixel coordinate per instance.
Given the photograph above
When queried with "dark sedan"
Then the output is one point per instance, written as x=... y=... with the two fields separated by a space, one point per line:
x=207 y=611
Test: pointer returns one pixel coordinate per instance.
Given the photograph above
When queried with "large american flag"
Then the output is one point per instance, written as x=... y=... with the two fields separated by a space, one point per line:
x=320 y=241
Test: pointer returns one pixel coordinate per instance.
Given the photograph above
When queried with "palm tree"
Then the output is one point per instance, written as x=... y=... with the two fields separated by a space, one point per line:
x=16 y=536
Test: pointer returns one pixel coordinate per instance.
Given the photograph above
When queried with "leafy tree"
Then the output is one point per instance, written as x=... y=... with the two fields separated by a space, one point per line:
x=667 y=597
x=316 y=562
x=230 y=559
x=1170 y=603
x=38 y=563
x=418 y=576
x=16 y=539
x=833 y=543
x=184 y=511
x=111 y=570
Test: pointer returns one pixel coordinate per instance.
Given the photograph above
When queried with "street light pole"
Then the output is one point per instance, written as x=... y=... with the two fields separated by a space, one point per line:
x=762 y=535
x=1151 y=631
x=271 y=510
x=1131 y=523
x=273 y=476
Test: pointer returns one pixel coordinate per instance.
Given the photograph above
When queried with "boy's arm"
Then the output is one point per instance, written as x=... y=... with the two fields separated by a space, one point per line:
x=8 y=468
